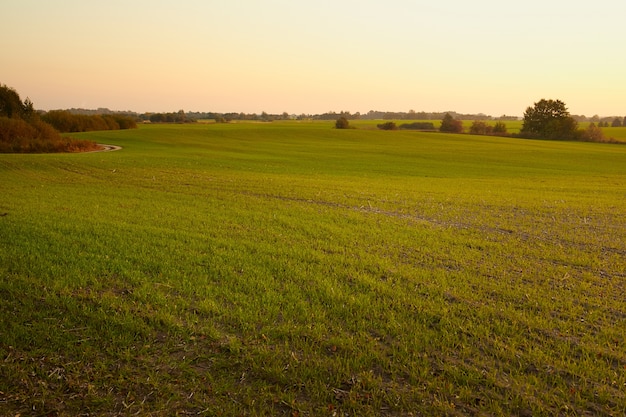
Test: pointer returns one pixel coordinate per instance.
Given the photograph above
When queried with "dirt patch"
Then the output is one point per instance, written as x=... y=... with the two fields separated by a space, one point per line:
x=107 y=148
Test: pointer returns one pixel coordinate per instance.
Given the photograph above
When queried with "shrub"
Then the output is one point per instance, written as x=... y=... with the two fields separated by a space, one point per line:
x=479 y=127
x=592 y=134
x=66 y=122
x=342 y=123
x=387 y=126
x=20 y=136
x=499 y=129
x=418 y=126
x=21 y=129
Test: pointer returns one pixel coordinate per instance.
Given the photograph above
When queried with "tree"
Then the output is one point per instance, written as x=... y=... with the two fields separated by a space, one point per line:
x=617 y=122
x=28 y=109
x=549 y=119
x=450 y=124
x=342 y=123
x=10 y=103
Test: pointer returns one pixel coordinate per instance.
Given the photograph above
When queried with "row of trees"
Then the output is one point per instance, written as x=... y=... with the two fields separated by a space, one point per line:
x=616 y=122
x=66 y=122
x=178 y=117
x=190 y=117
x=410 y=115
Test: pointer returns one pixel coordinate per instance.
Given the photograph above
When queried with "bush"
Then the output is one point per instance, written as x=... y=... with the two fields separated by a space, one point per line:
x=387 y=126
x=67 y=122
x=479 y=127
x=592 y=134
x=499 y=129
x=342 y=123
x=14 y=132
x=418 y=126
x=19 y=136
x=22 y=131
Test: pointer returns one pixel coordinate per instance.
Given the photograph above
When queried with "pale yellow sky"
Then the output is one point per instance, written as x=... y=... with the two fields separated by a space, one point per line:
x=488 y=56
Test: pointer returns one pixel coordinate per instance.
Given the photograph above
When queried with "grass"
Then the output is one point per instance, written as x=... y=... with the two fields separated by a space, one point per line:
x=294 y=269
x=617 y=133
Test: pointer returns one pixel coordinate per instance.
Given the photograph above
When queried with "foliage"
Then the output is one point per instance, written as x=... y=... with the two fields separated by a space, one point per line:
x=499 y=129
x=178 y=117
x=11 y=105
x=418 y=126
x=214 y=270
x=387 y=126
x=19 y=136
x=592 y=134
x=342 y=123
x=549 y=119
x=450 y=125
x=66 y=122
x=22 y=131
x=480 y=127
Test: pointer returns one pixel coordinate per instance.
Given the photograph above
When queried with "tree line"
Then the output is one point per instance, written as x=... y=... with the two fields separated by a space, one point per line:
x=66 y=122
x=182 y=116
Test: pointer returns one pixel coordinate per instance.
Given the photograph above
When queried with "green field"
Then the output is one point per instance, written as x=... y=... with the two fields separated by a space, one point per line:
x=295 y=269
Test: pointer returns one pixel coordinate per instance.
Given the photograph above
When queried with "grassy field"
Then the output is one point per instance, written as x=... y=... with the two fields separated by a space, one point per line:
x=294 y=269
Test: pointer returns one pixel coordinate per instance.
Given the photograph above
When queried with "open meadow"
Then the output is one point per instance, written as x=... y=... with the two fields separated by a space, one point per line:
x=293 y=269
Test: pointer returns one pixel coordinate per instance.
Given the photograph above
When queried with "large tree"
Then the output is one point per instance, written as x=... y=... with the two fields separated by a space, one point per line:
x=549 y=119
x=450 y=124
x=11 y=105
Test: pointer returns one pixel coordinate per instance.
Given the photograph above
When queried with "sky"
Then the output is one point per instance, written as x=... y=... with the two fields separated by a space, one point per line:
x=295 y=56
